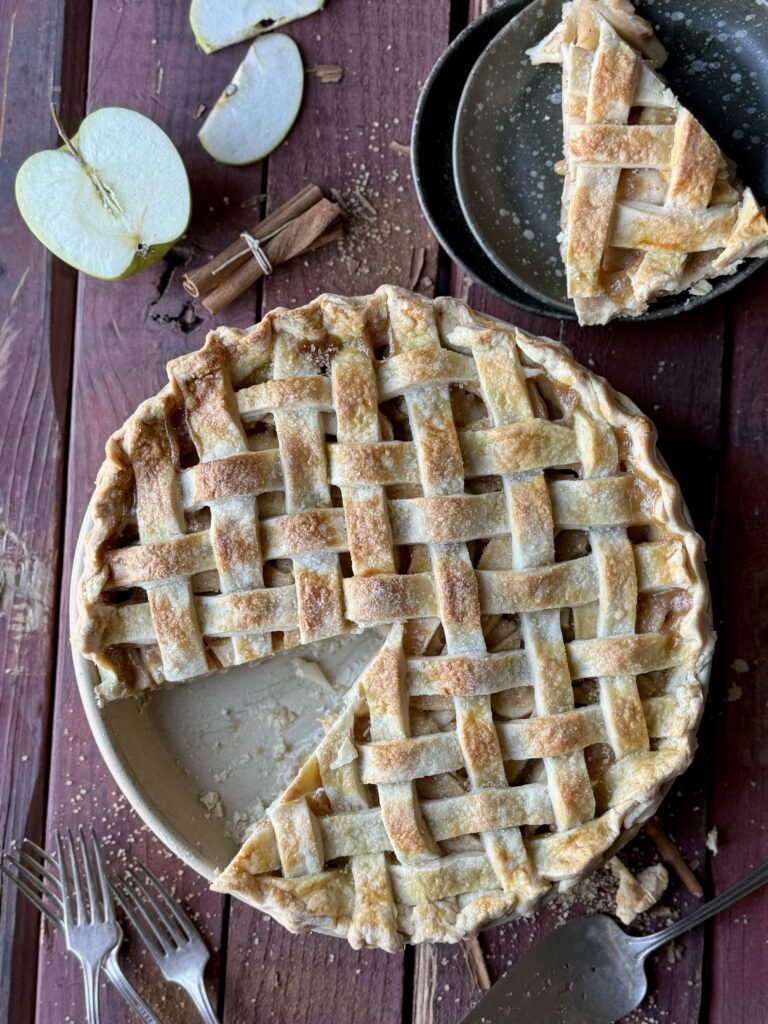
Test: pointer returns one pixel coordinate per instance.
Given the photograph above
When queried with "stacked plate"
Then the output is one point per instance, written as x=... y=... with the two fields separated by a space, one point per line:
x=488 y=132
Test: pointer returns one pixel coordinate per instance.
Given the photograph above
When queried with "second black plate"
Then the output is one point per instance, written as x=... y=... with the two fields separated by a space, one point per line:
x=431 y=142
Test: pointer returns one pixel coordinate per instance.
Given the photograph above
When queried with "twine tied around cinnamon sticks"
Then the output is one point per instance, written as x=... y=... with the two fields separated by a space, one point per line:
x=305 y=222
x=257 y=252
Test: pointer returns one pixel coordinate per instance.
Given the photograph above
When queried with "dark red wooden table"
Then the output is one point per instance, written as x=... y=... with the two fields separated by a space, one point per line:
x=77 y=355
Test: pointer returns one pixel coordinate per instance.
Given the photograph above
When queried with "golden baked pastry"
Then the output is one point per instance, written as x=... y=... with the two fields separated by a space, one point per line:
x=650 y=207
x=391 y=460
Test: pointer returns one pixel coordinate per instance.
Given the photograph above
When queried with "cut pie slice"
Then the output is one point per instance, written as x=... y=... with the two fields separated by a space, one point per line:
x=651 y=207
x=426 y=813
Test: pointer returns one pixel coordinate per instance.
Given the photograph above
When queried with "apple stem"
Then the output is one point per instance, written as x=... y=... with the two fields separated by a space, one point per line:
x=106 y=194
x=63 y=135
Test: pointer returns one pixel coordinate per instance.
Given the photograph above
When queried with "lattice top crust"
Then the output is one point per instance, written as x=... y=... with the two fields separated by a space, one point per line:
x=650 y=206
x=289 y=479
x=391 y=460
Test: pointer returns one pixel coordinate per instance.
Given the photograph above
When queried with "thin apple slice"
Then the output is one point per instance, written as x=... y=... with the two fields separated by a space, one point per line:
x=218 y=24
x=257 y=109
x=112 y=200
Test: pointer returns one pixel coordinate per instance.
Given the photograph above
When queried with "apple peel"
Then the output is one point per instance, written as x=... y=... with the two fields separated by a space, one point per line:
x=257 y=109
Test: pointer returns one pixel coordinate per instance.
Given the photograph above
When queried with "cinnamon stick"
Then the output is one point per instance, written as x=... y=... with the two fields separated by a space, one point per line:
x=203 y=279
x=300 y=234
x=673 y=857
x=473 y=954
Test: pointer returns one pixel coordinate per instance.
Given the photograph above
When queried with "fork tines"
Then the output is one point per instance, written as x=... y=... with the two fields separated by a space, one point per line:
x=153 y=912
x=168 y=933
x=41 y=887
x=53 y=884
x=79 y=886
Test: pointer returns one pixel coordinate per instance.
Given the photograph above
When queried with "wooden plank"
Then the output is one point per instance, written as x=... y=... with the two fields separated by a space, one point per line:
x=142 y=56
x=343 y=140
x=273 y=976
x=353 y=136
x=673 y=371
x=35 y=293
x=738 y=961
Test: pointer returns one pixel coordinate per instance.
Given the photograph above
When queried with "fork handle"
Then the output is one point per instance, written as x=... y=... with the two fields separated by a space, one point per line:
x=114 y=972
x=91 y=990
x=200 y=998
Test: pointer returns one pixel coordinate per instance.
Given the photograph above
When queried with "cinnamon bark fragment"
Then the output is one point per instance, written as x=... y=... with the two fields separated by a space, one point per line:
x=478 y=968
x=670 y=853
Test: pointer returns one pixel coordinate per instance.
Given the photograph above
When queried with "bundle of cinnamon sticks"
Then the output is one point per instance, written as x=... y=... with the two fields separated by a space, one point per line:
x=305 y=222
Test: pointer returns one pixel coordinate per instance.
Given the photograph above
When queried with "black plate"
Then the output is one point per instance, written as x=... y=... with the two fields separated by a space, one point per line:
x=717 y=65
x=507 y=134
x=431 y=142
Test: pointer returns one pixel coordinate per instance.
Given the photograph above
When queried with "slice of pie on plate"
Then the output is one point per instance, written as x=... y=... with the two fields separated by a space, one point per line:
x=651 y=206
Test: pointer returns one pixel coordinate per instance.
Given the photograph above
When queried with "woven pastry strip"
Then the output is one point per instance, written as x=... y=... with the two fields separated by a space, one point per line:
x=430 y=892
x=192 y=594
x=391 y=891
x=650 y=205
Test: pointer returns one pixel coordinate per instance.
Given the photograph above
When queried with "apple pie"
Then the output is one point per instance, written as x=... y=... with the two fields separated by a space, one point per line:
x=395 y=462
x=650 y=206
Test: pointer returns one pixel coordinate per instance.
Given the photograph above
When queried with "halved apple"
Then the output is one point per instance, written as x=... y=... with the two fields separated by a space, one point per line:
x=257 y=109
x=218 y=24
x=112 y=200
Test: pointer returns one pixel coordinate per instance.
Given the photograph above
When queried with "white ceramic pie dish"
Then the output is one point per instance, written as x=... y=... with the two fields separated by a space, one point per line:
x=215 y=735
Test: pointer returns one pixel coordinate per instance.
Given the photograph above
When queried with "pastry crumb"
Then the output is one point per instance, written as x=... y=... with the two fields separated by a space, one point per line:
x=674 y=952
x=713 y=844
x=700 y=288
x=639 y=893
x=211 y=801
x=346 y=755
x=311 y=671
x=328 y=74
x=242 y=823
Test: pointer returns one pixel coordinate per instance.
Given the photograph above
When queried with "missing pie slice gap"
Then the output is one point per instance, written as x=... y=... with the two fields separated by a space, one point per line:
x=386 y=837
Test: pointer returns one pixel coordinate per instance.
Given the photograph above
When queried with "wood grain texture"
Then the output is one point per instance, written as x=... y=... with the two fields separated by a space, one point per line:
x=142 y=56
x=350 y=137
x=274 y=977
x=342 y=140
x=36 y=311
x=738 y=963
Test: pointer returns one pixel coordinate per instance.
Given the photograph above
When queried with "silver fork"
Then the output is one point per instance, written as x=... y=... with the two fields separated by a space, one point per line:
x=30 y=879
x=169 y=935
x=88 y=918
